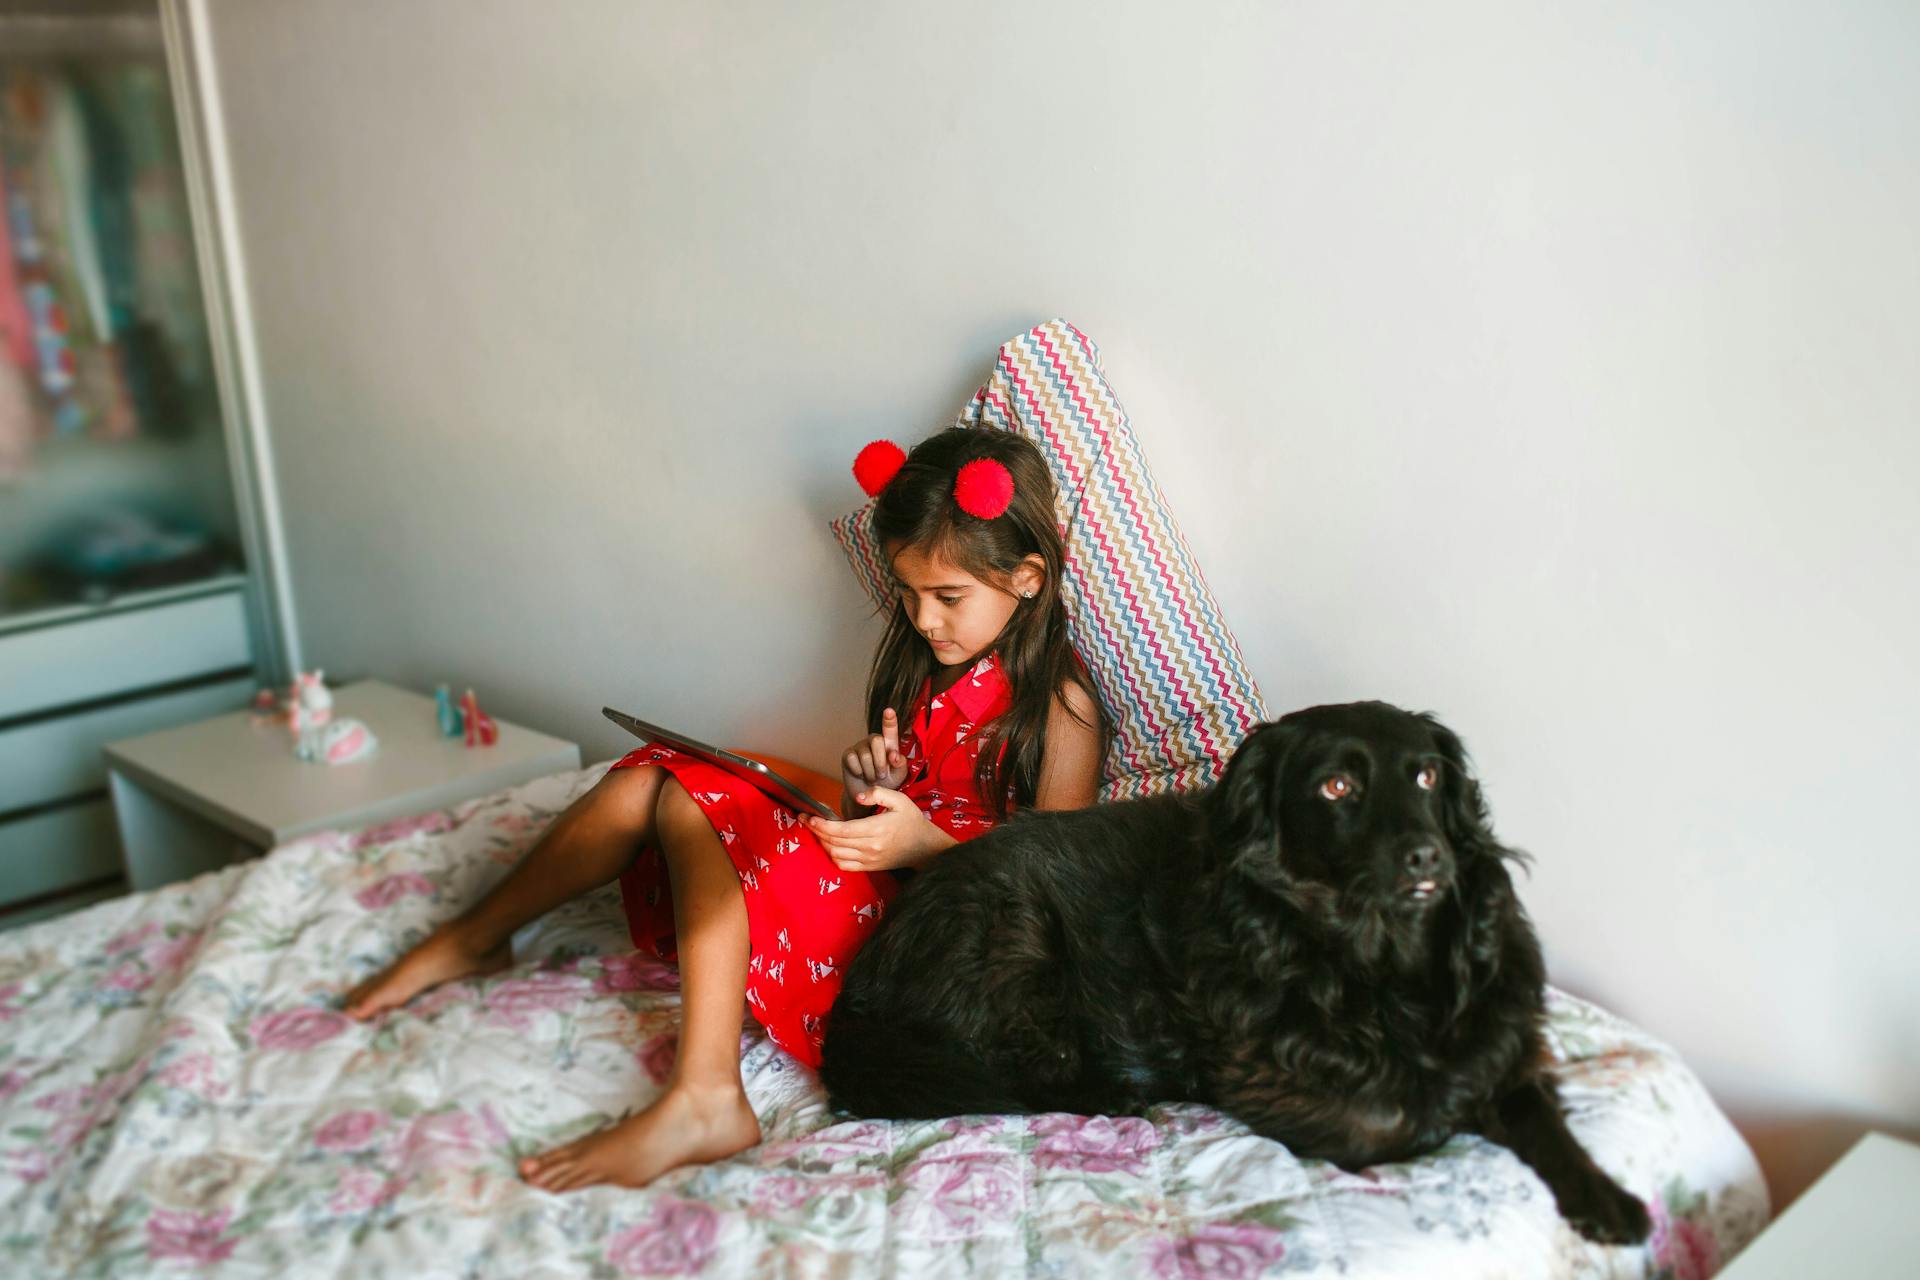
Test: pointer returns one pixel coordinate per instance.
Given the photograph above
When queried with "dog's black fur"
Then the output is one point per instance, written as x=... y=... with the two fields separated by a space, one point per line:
x=1262 y=946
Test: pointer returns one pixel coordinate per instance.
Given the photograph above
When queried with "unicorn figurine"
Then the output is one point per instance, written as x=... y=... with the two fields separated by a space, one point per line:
x=317 y=736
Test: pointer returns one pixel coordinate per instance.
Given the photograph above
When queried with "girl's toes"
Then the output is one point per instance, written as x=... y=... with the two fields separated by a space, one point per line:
x=547 y=1163
x=542 y=1170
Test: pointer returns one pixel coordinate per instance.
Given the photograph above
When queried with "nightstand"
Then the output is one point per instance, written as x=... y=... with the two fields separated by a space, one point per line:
x=193 y=799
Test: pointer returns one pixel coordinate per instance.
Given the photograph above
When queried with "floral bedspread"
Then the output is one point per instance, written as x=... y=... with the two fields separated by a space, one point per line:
x=180 y=1095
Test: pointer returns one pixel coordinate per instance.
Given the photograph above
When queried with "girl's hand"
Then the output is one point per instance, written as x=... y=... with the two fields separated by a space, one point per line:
x=899 y=835
x=875 y=761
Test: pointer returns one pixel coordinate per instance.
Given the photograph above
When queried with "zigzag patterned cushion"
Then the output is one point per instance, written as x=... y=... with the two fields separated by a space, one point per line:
x=1167 y=669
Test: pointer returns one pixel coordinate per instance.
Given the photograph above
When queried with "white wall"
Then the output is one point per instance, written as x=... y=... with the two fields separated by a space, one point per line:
x=1551 y=367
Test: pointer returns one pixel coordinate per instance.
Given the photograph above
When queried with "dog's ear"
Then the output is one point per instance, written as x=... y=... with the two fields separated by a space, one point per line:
x=1490 y=940
x=1491 y=915
x=1463 y=811
x=1245 y=815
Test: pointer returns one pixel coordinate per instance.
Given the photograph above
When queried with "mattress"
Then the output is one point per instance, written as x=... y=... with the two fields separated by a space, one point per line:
x=179 y=1093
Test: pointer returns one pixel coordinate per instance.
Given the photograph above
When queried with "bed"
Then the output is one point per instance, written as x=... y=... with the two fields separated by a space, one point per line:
x=179 y=1094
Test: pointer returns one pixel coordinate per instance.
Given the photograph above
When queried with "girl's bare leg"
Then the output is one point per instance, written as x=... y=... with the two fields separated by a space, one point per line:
x=703 y=1114
x=587 y=846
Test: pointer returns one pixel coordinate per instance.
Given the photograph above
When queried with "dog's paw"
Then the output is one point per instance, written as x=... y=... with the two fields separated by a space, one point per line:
x=1604 y=1213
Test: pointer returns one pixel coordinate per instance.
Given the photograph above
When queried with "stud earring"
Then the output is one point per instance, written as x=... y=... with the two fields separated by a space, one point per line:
x=1026 y=595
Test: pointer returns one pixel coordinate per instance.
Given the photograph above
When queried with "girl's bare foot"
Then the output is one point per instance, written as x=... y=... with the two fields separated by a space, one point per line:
x=683 y=1126
x=444 y=956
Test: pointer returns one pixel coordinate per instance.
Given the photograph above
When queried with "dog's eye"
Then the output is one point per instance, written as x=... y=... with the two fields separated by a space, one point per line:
x=1338 y=787
x=1427 y=779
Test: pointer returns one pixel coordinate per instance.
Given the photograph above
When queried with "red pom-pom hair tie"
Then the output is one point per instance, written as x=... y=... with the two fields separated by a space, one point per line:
x=876 y=465
x=984 y=488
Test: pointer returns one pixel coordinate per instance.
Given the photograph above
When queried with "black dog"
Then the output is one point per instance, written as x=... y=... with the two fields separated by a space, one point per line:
x=1326 y=945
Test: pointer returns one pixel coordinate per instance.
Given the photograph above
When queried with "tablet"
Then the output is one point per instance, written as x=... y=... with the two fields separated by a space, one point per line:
x=786 y=792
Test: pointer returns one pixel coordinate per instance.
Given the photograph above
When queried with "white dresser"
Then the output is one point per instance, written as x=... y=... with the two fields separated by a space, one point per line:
x=73 y=680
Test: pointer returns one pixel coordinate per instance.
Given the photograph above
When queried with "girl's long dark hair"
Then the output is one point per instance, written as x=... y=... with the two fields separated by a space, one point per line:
x=917 y=509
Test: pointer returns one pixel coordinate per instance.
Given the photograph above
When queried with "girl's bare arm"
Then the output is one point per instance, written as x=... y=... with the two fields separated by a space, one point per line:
x=1070 y=765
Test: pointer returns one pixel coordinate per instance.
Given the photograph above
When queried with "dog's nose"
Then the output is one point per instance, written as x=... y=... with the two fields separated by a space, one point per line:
x=1423 y=859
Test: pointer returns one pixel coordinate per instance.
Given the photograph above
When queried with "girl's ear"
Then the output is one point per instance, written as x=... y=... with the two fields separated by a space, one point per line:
x=1029 y=576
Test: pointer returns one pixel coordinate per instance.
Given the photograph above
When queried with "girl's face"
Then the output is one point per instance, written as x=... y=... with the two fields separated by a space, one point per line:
x=958 y=615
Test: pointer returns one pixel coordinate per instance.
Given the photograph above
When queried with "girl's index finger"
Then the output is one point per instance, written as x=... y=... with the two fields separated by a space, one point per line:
x=890 y=731
x=840 y=828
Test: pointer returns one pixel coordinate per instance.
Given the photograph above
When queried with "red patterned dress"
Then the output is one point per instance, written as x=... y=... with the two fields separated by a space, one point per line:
x=805 y=916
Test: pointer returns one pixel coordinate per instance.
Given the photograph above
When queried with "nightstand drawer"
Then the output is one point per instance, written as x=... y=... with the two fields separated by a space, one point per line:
x=48 y=667
x=48 y=760
x=58 y=850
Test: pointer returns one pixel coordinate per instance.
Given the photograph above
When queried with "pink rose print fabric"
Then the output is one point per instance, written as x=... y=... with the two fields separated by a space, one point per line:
x=805 y=916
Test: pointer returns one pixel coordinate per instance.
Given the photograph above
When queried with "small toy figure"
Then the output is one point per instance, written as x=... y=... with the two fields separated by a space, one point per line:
x=479 y=724
x=317 y=736
x=449 y=715
x=266 y=708
x=309 y=702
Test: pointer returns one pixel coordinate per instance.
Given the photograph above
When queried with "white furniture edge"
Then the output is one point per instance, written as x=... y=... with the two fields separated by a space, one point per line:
x=1857 y=1220
x=141 y=598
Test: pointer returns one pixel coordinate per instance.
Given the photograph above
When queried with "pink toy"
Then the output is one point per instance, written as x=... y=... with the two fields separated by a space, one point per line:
x=480 y=725
x=317 y=736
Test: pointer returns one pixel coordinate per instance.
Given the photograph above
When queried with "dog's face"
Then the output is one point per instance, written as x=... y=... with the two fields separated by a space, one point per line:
x=1362 y=798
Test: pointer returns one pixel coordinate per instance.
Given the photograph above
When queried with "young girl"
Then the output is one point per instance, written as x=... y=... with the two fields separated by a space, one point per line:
x=975 y=704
